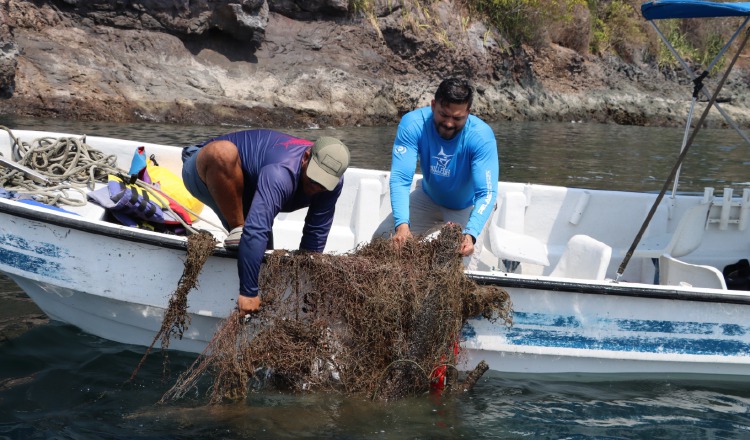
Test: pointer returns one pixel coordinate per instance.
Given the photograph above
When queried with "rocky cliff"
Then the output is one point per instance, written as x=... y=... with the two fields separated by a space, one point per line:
x=296 y=63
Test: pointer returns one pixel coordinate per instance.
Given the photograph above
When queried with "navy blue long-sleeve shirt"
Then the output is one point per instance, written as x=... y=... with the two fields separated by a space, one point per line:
x=272 y=165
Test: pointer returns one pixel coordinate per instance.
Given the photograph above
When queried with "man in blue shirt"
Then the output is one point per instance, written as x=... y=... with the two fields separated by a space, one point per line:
x=248 y=177
x=457 y=154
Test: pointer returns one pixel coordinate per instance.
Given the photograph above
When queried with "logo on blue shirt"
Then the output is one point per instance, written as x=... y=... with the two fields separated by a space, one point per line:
x=441 y=164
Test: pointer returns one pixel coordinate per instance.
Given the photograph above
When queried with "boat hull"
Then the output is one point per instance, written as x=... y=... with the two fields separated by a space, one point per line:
x=566 y=331
x=101 y=278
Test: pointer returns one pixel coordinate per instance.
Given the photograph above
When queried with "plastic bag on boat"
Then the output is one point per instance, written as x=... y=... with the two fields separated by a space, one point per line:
x=138 y=164
x=7 y=194
x=737 y=275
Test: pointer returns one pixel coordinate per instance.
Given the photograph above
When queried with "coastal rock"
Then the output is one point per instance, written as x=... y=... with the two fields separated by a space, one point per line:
x=294 y=63
x=8 y=59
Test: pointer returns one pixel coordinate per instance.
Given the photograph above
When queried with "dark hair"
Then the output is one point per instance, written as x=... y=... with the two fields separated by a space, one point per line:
x=454 y=91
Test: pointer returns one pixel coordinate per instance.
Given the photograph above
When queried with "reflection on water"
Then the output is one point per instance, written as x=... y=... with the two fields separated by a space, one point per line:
x=619 y=157
x=595 y=156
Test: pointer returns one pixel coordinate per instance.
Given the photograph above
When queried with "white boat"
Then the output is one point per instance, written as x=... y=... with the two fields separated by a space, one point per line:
x=588 y=297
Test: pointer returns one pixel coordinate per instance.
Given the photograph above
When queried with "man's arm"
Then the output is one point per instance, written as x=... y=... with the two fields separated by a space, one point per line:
x=403 y=166
x=274 y=186
x=319 y=219
x=485 y=169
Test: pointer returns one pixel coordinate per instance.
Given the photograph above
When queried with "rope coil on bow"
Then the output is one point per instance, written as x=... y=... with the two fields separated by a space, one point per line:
x=67 y=163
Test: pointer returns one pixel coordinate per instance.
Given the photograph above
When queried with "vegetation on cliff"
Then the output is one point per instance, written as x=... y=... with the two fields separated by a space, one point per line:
x=598 y=27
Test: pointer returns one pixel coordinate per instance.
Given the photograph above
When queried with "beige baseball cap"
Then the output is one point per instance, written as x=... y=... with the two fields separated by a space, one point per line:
x=328 y=161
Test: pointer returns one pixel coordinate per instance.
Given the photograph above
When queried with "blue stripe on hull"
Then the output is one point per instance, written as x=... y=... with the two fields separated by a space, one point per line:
x=32 y=257
x=632 y=325
x=43 y=249
x=644 y=344
x=626 y=335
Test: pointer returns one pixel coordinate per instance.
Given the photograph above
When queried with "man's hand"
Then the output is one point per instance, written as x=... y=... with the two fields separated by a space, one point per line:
x=248 y=304
x=466 y=247
x=402 y=234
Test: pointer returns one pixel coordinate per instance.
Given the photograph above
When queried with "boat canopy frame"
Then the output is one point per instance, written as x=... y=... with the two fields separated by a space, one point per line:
x=676 y=9
x=683 y=9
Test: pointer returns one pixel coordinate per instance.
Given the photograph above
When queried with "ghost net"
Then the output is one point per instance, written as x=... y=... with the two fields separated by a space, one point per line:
x=378 y=322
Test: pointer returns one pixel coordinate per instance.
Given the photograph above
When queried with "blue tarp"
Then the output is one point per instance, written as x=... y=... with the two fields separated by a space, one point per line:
x=661 y=9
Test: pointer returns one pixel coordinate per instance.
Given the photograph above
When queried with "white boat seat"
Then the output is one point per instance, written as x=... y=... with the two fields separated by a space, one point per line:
x=584 y=258
x=674 y=272
x=686 y=238
x=507 y=238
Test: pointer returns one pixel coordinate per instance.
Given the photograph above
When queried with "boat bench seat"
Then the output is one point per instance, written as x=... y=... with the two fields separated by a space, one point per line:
x=674 y=272
x=508 y=242
x=685 y=239
x=583 y=258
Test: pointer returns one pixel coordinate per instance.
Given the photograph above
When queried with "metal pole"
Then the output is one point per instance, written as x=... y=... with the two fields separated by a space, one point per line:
x=680 y=159
x=705 y=90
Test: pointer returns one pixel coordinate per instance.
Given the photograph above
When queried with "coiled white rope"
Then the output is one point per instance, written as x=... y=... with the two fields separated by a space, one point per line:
x=67 y=163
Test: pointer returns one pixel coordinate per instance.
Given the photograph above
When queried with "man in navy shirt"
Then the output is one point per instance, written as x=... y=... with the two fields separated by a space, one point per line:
x=248 y=177
x=457 y=154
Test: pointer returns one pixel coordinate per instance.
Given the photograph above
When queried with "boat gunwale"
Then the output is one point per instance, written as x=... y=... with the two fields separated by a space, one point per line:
x=609 y=288
x=112 y=230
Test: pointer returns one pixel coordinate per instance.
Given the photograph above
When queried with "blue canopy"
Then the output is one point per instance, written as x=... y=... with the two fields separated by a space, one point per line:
x=661 y=9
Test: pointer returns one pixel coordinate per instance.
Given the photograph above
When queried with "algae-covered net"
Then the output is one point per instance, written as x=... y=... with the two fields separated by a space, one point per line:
x=176 y=319
x=379 y=322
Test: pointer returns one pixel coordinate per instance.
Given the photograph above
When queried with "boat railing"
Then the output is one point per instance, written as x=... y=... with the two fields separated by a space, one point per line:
x=730 y=210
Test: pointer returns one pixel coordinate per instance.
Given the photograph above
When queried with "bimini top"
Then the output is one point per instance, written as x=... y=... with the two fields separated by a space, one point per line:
x=661 y=9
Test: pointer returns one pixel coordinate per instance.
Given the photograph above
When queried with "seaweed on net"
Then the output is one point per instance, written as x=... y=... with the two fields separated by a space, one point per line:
x=176 y=320
x=377 y=322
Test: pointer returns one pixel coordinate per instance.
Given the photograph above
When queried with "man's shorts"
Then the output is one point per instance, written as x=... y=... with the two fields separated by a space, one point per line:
x=193 y=182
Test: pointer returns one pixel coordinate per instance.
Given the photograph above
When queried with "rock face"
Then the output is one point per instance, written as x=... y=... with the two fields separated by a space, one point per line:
x=293 y=63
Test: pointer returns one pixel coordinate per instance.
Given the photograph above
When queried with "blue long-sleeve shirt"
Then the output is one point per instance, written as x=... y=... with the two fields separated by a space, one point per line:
x=272 y=167
x=457 y=173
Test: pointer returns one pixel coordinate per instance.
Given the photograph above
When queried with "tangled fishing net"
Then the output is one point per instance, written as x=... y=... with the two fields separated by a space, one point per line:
x=377 y=322
x=176 y=319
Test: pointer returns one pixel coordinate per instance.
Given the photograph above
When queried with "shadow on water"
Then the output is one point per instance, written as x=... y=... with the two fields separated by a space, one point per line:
x=18 y=313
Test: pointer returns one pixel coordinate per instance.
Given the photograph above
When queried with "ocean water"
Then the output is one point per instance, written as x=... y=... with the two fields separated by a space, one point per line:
x=57 y=382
